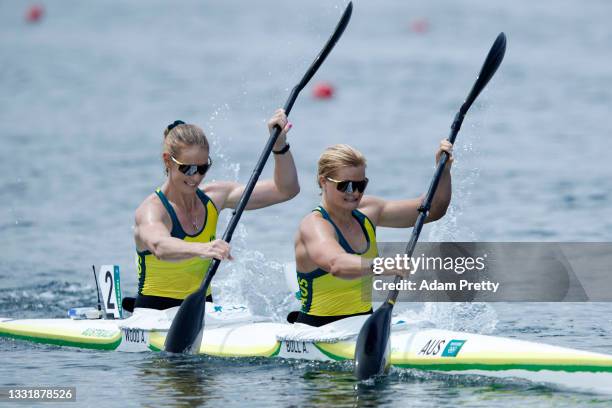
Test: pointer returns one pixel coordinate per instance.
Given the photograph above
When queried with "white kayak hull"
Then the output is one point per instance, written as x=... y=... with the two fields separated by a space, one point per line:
x=235 y=333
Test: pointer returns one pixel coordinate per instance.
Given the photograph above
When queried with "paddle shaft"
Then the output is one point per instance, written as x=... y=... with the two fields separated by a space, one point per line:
x=372 y=350
x=229 y=232
x=188 y=323
x=494 y=58
x=426 y=204
x=244 y=199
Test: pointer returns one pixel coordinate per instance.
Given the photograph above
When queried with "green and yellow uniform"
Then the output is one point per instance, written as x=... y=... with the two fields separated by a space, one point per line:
x=177 y=280
x=325 y=295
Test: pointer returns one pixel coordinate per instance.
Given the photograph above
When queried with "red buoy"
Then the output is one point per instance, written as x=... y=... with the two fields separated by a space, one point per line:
x=420 y=26
x=323 y=90
x=34 y=14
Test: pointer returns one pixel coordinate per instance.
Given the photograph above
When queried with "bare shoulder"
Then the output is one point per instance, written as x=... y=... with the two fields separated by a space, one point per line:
x=313 y=236
x=308 y=235
x=151 y=219
x=310 y=219
x=314 y=225
x=219 y=187
x=218 y=191
x=371 y=206
x=150 y=210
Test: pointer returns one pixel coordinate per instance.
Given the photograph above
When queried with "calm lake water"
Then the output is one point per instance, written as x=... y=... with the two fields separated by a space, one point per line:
x=87 y=92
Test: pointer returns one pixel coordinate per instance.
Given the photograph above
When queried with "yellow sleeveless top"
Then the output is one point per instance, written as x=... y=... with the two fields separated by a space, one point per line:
x=323 y=294
x=179 y=279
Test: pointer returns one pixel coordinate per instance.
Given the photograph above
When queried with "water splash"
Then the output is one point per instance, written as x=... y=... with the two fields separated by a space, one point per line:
x=473 y=317
x=224 y=167
x=254 y=281
x=450 y=227
x=467 y=317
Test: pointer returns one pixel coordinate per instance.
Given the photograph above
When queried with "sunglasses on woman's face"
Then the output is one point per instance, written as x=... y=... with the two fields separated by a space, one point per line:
x=348 y=186
x=191 y=169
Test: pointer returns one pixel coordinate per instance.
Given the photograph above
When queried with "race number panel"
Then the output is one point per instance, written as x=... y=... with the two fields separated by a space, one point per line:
x=110 y=286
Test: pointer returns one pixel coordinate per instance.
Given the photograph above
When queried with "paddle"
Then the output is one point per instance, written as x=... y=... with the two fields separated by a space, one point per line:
x=188 y=324
x=372 y=348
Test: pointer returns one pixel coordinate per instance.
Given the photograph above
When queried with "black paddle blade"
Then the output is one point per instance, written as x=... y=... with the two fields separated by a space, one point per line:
x=329 y=45
x=187 y=324
x=372 y=349
x=494 y=59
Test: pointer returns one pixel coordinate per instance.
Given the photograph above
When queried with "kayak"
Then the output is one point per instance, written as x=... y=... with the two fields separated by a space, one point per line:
x=234 y=332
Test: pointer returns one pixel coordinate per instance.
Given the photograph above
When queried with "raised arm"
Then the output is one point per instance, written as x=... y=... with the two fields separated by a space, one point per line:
x=152 y=233
x=403 y=213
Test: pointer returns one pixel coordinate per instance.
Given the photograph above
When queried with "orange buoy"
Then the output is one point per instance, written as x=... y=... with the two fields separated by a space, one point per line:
x=323 y=90
x=420 y=26
x=34 y=14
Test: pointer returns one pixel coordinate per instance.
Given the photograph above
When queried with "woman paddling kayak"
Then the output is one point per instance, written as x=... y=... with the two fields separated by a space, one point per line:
x=175 y=230
x=333 y=239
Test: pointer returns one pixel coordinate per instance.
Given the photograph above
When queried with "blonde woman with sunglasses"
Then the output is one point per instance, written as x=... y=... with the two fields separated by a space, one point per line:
x=175 y=230
x=333 y=239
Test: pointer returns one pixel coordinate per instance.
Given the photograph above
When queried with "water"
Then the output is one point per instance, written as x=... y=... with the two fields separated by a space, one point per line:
x=87 y=93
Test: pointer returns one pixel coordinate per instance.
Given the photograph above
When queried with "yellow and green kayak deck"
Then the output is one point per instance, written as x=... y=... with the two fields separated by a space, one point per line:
x=430 y=349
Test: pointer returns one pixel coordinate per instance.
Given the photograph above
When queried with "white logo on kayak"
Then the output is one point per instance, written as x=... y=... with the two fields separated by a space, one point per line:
x=98 y=333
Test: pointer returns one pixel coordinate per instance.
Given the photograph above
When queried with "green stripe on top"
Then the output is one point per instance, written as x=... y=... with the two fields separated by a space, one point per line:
x=509 y=366
x=112 y=344
x=328 y=354
x=360 y=217
x=142 y=271
x=305 y=282
x=177 y=229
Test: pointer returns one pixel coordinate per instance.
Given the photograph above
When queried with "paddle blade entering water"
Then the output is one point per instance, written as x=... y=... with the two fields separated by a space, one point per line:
x=187 y=325
x=372 y=349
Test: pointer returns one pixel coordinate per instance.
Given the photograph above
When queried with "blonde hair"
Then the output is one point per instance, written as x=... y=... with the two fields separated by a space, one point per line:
x=336 y=157
x=179 y=135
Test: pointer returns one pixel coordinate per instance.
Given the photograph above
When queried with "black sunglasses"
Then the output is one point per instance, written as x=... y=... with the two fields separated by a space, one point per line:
x=191 y=169
x=348 y=186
